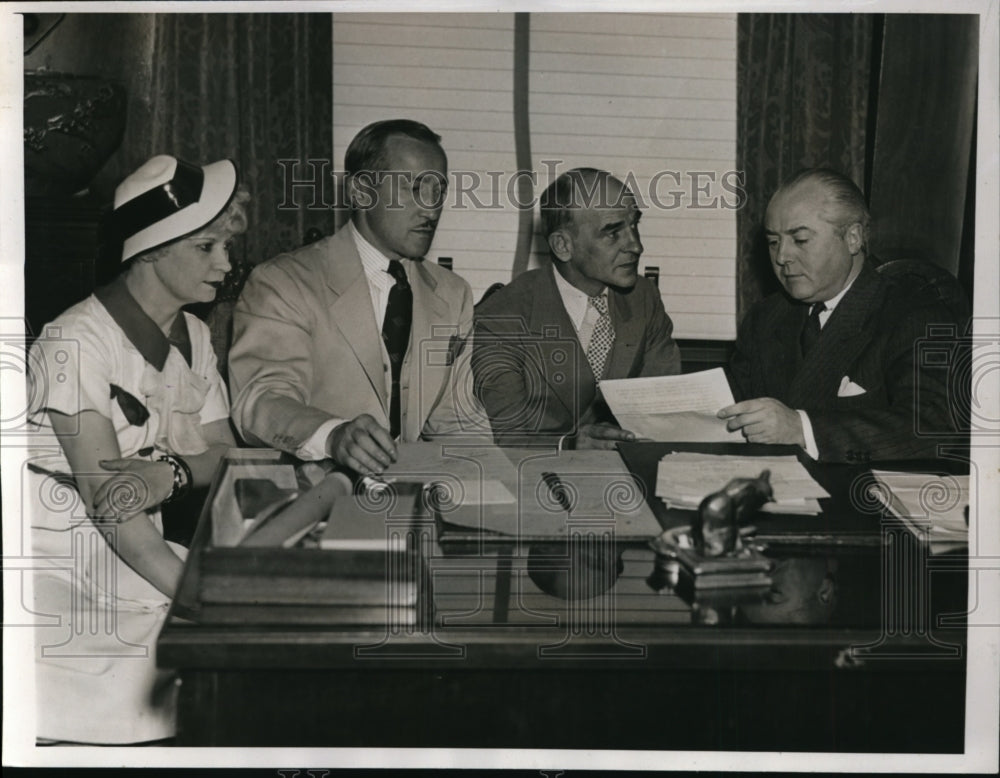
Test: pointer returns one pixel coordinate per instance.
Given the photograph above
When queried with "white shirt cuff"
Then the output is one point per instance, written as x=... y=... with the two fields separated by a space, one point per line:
x=807 y=432
x=314 y=449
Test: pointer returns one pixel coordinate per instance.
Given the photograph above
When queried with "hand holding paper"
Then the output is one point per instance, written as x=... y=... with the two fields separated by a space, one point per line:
x=765 y=420
x=673 y=408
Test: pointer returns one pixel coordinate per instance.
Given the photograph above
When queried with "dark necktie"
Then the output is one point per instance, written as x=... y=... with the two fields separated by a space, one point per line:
x=810 y=330
x=396 y=335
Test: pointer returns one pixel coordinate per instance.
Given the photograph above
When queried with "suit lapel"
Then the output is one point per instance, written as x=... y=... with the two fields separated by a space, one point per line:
x=628 y=333
x=838 y=345
x=555 y=332
x=352 y=310
x=430 y=319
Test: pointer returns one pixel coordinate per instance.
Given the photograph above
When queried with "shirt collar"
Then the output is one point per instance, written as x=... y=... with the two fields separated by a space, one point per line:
x=574 y=300
x=834 y=301
x=142 y=331
x=374 y=262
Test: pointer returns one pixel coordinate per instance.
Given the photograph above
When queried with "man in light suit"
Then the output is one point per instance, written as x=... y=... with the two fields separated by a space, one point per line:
x=829 y=363
x=346 y=346
x=544 y=341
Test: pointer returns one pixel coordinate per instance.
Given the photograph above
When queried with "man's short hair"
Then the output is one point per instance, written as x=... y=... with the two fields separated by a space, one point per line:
x=843 y=192
x=573 y=189
x=367 y=152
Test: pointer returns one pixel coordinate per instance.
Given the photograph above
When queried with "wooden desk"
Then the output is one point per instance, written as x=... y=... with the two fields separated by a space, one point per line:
x=836 y=660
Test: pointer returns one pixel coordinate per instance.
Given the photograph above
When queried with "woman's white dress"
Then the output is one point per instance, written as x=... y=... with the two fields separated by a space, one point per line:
x=97 y=619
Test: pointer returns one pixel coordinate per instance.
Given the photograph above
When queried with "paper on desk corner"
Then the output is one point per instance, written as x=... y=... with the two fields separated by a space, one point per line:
x=932 y=506
x=678 y=408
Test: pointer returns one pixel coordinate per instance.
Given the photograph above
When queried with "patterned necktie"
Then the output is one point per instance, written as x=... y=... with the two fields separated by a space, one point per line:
x=810 y=330
x=396 y=335
x=603 y=337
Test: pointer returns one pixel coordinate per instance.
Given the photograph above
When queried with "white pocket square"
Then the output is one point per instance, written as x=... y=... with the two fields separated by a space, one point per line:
x=849 y=389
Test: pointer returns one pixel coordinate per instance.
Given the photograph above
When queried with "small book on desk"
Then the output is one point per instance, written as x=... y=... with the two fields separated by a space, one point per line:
x=359 y=523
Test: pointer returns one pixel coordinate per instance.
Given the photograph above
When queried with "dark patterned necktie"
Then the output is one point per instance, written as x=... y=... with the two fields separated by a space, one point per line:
x=602 y=339
x=810 y=330
x=396 y=335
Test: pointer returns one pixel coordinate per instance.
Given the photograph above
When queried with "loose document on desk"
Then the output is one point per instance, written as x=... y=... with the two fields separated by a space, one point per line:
x=684 y=479
x=476 y=472
x=677 y=409
x=933 y=507
x=531 y=494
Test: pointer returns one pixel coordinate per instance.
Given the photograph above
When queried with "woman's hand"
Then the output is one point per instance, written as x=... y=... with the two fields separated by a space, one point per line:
x=137 y=485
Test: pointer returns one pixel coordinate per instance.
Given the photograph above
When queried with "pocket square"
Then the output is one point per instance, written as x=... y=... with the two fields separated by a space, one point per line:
x=849 y=389
x=135 y=412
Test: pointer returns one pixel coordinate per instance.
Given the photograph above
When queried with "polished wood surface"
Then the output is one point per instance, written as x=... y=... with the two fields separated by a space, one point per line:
x=589 y=643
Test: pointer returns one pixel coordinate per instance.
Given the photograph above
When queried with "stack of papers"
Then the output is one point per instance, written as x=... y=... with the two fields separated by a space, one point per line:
x=678 y=408
x=683 y=480
x=933 y=507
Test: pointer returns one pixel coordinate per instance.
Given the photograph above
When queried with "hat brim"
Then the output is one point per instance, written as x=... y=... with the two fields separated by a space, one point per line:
x=217 y=190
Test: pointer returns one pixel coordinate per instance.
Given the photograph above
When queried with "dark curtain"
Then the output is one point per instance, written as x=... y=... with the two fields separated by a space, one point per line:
x=803 y=83
x=256 y=88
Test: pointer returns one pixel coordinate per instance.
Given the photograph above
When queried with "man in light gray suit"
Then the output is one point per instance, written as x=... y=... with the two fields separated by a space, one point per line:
x=348 y=345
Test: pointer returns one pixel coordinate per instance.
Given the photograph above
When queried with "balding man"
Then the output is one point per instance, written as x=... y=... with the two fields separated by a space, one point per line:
x=828 y=363
x=544 y=342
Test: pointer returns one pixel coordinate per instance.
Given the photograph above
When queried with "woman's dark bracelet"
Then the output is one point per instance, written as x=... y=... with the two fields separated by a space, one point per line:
x=182 y=476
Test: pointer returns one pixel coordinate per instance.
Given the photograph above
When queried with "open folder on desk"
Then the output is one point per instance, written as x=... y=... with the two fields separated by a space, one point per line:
x=678 y=409
x=933 y=507
x=476 y=473
x=471 y=485
x=684 y=479
x=559 y=494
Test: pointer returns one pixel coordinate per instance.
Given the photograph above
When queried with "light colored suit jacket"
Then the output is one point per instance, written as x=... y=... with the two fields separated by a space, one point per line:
x=532 y=374
x=306 y=348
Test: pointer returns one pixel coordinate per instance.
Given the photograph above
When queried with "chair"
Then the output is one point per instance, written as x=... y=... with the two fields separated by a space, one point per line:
x=926 y=278
x=492 y=288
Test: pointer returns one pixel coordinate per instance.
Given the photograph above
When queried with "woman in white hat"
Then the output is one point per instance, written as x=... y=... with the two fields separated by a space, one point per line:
x=127 y=382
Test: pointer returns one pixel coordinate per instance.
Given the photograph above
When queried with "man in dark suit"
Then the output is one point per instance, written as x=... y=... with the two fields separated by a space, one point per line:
x=348 y=345
x=828 y=363
x=544 y=342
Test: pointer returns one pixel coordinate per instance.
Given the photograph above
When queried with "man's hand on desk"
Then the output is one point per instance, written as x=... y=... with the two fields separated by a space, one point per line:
x=764 y=420
x=362 y=444
x=601 y=435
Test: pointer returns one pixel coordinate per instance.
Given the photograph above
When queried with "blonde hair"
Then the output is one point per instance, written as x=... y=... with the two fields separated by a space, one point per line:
x=232 y=220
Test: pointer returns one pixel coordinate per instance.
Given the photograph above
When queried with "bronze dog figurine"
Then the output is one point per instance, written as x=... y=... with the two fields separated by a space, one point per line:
x=715 y=529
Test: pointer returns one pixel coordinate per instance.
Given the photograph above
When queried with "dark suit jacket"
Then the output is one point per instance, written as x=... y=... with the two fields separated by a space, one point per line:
x=531 y=373
x=306 y=347
x=873 y=337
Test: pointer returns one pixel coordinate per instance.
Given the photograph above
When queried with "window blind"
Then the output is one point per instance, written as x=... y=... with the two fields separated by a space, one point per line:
x=649 y=97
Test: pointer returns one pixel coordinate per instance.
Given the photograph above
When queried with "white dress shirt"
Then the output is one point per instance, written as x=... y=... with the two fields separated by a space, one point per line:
x=577 y=304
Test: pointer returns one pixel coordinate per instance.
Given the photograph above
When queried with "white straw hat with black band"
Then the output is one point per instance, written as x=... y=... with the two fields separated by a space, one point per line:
x=168 y=198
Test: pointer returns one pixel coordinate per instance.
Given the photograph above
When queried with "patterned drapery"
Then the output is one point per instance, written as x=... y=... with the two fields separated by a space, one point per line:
x=256 y=88
x=802 y=101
